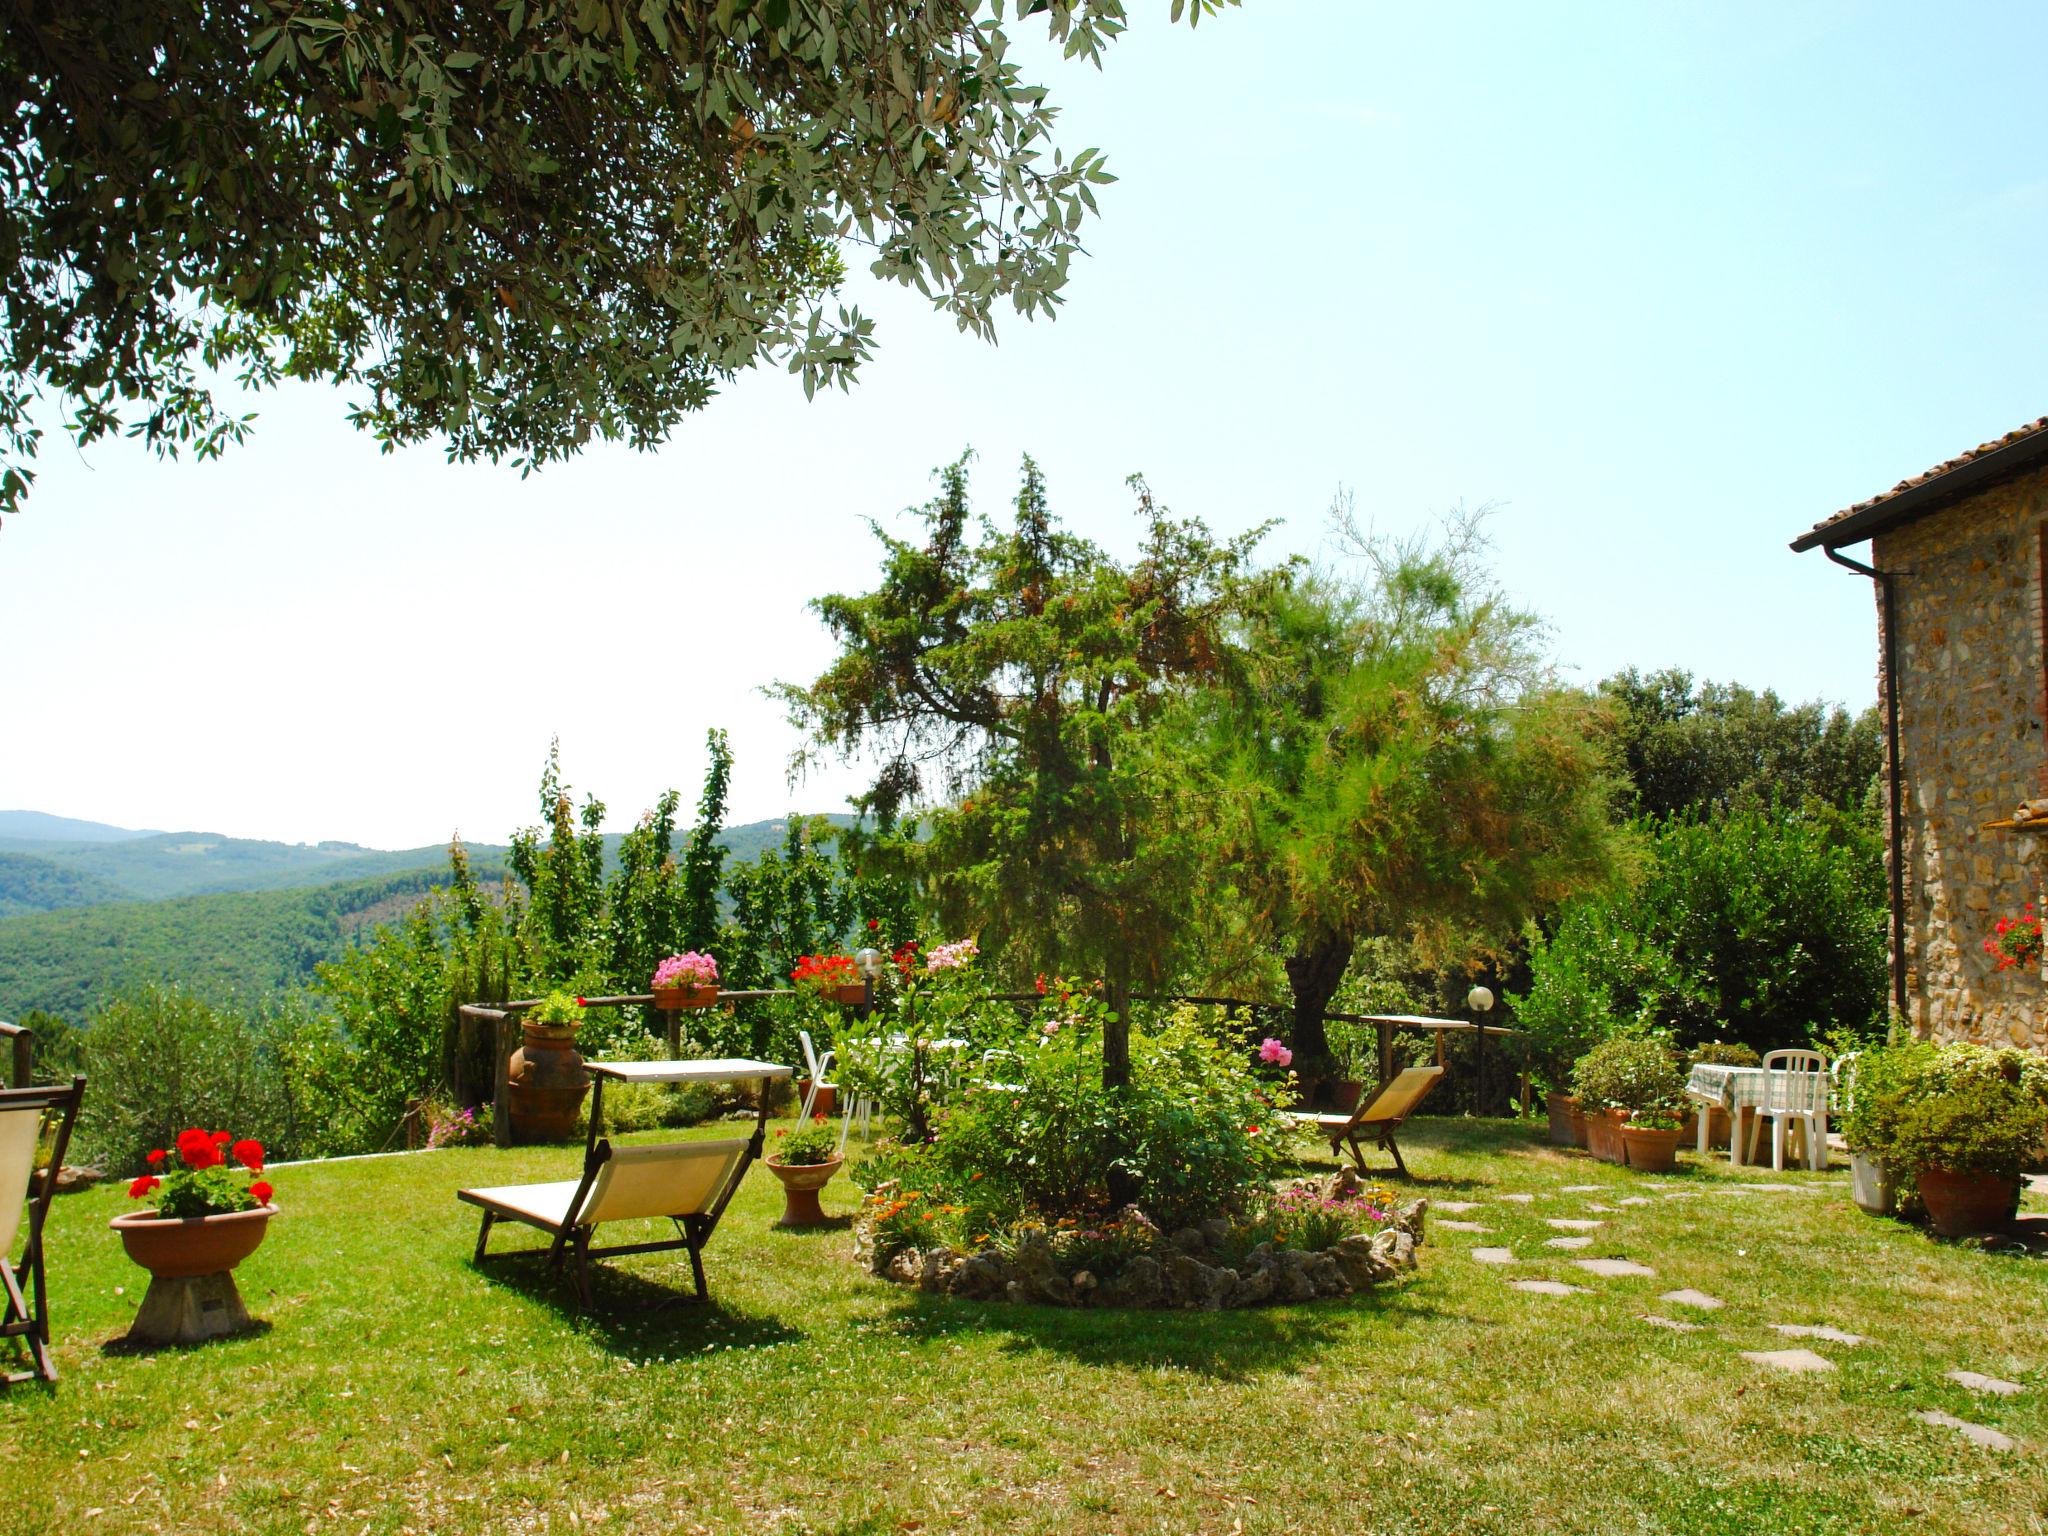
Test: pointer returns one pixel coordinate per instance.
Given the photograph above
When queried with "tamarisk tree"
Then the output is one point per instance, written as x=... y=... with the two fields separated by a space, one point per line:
x=515 y=225
x=1008 y=678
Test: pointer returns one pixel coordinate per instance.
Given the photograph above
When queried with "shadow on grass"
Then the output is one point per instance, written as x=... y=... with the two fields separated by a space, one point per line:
x=641 y=1315
x=123 y=1346
x=1235 y=1345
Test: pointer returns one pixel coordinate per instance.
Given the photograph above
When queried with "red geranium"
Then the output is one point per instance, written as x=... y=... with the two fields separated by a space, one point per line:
x=260 y=1192
x=155 y=1157
x=198 y=1149
x=143 y=1185
x=249 y=1154
x=2018 y=942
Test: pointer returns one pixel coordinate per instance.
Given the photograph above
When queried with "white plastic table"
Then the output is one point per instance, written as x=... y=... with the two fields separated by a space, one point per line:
x=1742 y=1091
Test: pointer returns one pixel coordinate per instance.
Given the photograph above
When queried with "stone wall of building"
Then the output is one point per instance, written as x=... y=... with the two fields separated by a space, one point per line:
x=1968 y=608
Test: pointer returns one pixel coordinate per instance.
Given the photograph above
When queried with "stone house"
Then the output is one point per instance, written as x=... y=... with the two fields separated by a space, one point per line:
x=1957 y=560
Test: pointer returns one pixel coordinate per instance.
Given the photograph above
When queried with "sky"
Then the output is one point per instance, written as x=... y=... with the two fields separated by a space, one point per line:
x=1661 y=285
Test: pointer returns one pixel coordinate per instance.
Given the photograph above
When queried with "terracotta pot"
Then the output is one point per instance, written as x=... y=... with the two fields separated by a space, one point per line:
x=1579 y=1131
x=1960 y=1204
x=848 y=994
x=1563 y=1109
x=1345 y=1093
x=827 y=1101
x=800 y=1185
x=546 y=1083
x=1651 y=1151
x=187 y=1247
x=673 y=998
x=1603 y=1134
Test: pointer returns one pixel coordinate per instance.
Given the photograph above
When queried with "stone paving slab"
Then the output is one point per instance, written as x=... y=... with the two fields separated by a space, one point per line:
x=1568 y=1242
x=1692 y=1298
x=1519 y=1199
x=1455 y=1207
x=1613 y=1269
x=1573 y=1224
x=1991 y=1384
x=1548 y=1288
x=1636 y=1200
x=1494 y=1255
x=1680 y=1194
x=1594 y=1205
x=1816 y=1331
x=1584 y=1189
x=1447 y=1225
x=1771 y=1189
x=1670 y=1322
x=1798 y=1361
x=1976 y=1434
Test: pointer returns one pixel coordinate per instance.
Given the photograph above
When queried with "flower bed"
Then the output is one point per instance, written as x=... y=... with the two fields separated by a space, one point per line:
x=1351 y=1238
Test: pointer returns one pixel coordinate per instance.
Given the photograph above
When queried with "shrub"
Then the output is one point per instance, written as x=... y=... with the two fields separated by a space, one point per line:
x=1628 y=1073
x=1768 y=930
x=1980 y=1125
x=807 y=1146
x=1724 y=1053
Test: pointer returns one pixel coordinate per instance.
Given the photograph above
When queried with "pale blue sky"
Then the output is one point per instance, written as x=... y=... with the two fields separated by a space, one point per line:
x=1665 y=283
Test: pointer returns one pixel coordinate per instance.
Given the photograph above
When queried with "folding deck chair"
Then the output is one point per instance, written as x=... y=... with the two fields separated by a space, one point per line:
x=687 y=1182
x=25 y=1315
x=1379 y=1117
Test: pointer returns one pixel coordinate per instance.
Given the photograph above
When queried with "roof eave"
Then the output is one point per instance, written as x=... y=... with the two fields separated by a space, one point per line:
x=1930 y=495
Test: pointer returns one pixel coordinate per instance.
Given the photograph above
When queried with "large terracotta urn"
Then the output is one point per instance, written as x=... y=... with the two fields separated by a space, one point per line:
x=1563 y=1108
x=546 y=1083
x=800 y=1185
x=1963 y=1204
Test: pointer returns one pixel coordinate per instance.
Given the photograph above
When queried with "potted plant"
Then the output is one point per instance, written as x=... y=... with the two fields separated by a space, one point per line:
x=804 y=1160
x=1873 y=1094
x=1625 y=1077
x=1650 y=1137
x=1721 y=1053
x=1356 y=1059
x=688 y=980
x=1966 y=1143
x=835 y=978
x=208 y=1211
x=545 y=1078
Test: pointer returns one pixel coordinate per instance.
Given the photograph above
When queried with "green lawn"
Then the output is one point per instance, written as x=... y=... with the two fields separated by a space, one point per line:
x=397 y=1388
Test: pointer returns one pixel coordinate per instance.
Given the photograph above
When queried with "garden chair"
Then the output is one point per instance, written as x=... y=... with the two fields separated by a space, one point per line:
x=816 y=1068
x=686 y=1182
x=1379 y=1117
x=1795 y=1095
x=24 y=1302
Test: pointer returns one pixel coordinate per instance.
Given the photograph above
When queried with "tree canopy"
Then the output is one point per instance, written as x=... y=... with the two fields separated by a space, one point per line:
x=515 y=226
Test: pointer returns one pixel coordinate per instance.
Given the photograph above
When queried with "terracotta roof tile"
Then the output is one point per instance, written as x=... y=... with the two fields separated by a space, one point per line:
x=2037 y=428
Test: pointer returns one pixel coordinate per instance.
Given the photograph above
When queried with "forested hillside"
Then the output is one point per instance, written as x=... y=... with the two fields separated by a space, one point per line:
x=30 y=884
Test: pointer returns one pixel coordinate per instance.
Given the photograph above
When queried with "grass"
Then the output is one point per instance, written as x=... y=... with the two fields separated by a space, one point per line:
x=399 y=1389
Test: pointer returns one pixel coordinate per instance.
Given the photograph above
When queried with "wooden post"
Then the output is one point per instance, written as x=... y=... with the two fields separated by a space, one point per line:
x=1385 y=1029
x=24 y=1056
x=504 y=1036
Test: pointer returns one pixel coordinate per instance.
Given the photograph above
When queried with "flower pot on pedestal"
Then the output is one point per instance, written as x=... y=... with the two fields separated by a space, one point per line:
x=191 y=1262
x=800 y=1185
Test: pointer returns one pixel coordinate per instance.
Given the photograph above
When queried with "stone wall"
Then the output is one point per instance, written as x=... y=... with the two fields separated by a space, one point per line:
x=1968 y=584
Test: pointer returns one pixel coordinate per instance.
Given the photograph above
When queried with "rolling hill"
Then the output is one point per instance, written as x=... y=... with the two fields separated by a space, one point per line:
x=30 y=884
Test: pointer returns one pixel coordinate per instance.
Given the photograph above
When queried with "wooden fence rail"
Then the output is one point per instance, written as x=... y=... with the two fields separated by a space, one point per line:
x=21 y=1043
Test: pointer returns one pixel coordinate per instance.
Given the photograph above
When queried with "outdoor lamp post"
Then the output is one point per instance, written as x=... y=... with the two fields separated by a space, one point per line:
x=1478 y=1001
x=869 y=963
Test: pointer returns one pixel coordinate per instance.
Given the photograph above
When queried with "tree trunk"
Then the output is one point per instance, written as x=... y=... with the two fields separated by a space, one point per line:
x=1314 y=973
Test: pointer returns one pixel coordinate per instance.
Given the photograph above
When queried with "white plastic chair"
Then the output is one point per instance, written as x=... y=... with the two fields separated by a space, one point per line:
x=815 y=1068
x=1796 y=1092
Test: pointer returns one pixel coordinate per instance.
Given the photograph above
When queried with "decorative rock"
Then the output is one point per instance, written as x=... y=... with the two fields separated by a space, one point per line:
x=1568 y=1242
x=1976 y=1434
x=1613 y=1269
x=1991 y=1384
x=1142 y=1284
x=69 y=1178
x=1494 y=1255
x=904 y=1267
x=1798 y=1361
x=1691 y=1298
x=1362 y=1267
x=1396 y=1246
x=1548 y=1288
x=1191 y=1283
x=1464 y=1226
x=1816 y=1331
x=984 y=1276
x=1671 y=1323
x=1573 y=1224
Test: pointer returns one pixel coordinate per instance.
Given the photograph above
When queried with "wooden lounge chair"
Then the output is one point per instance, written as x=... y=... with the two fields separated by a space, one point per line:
x=1379 y=1117
x=25 y=1315
x=683 y=1181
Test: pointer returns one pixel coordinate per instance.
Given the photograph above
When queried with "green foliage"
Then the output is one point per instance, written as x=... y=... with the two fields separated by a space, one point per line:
x=558 y=1010
x=786 y=903
x=895 y=1057
x=59 y=1049
x=807 y=1146
x=216 y=1191
x=1630 y=1073
x=31 y=884
x=1977 y=1126
x=661 y=903
x=1193 y=1131
x=519 y=227
x=1024 y=668
x=1721 y=747
x=1305 y=1218
x=564 y=927
x=1766 y=931
x=161 y=1059
x=1724 y=1053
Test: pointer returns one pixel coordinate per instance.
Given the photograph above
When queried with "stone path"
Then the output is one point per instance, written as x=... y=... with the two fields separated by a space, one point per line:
x=1494 y=1255
x=1519 y=1199
x=1584 y=1189
x=1670 y=1322
x=1548 y=1288
x=1613 y=1269
x=1990 y=1384
x=1568 y=1242
x=1463 y=1226
x=1692 y=1298
x=1636 y=1200
x=1816 y=1331
x=1976 y=1434
x=1800 y=1361
x=1573 y=1224
x=1455 y=1207
x=1611 y=1210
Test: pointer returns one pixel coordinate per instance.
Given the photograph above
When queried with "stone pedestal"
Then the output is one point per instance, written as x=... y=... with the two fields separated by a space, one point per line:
x=190 y=1311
